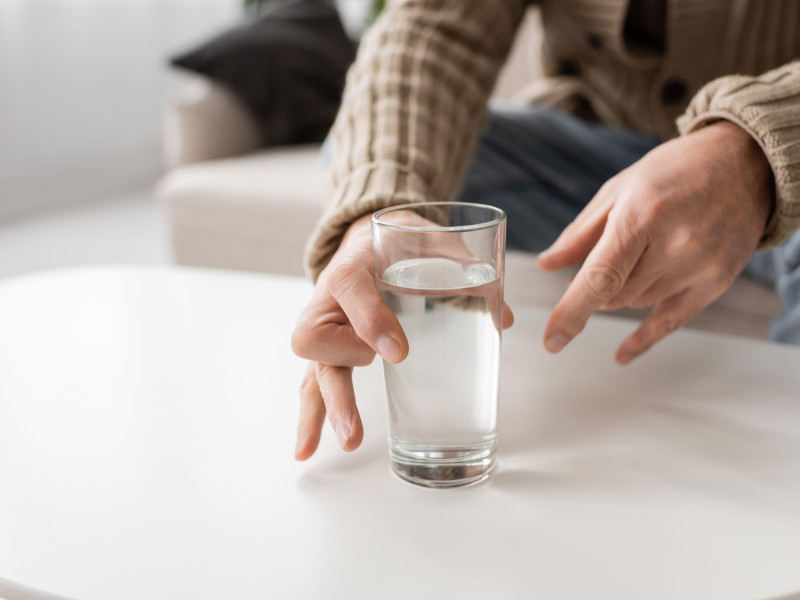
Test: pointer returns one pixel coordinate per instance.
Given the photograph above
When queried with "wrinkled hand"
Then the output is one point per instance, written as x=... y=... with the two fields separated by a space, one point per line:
x=672 y=232
x=343 y=327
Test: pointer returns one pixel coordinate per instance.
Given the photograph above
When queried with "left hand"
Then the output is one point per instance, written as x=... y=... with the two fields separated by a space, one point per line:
x=671 y=231
x=343 y=327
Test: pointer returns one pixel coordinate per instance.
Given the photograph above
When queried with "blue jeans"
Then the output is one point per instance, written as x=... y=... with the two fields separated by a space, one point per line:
x=542 y=166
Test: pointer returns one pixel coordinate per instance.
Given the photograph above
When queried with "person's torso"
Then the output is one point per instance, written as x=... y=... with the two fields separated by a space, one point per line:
x=638 y=62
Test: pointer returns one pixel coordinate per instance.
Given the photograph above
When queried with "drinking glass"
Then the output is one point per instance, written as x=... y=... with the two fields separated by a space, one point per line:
x=439 y=267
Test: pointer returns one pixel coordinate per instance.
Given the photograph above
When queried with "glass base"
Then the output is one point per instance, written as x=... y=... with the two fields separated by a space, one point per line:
x=437 y=467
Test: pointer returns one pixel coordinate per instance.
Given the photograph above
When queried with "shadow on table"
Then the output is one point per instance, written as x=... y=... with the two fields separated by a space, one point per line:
x=10 y=590
x=672 y=419
x=330 y=470
x=528 y=480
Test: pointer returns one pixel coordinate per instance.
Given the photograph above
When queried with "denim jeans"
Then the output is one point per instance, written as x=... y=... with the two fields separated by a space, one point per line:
x=542 y=166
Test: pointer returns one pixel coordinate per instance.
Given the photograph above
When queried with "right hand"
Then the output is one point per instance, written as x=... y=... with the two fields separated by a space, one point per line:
x=343 y=327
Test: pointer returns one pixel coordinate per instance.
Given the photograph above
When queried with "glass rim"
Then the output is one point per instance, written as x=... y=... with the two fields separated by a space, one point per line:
x=501 y=216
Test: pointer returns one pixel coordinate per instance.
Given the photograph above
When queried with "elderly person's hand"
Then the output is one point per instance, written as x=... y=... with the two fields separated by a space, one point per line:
x=343 y=327
x=672 y=231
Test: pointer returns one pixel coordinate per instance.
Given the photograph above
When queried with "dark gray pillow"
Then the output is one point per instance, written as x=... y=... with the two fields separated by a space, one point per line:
x=288 y=68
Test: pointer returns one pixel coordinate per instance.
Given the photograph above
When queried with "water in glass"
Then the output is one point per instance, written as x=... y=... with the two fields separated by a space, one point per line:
x=443 y=397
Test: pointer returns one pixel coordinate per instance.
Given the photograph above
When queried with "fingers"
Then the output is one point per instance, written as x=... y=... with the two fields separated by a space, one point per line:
x=636 y=293
x=343 y=326
x=353 y=287
x=580 y=236
x=666 y=317
x=312 y=415
x=600 y=279
x=326 y=336
x=508 y=316
x=336 y=388
x=660 y=290
x=328 y=390
x=347 y=321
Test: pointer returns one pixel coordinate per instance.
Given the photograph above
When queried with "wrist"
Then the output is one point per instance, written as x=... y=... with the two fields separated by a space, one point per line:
x=753 y=165
x=358 y=229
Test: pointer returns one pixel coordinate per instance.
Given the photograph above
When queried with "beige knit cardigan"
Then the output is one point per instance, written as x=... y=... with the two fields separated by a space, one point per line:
x=416 y=98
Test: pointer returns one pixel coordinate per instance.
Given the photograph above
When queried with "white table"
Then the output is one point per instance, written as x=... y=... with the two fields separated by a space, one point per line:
x=147 y=421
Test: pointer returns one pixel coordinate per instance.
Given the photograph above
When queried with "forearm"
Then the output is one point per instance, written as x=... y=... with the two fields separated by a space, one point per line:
x=413 y=107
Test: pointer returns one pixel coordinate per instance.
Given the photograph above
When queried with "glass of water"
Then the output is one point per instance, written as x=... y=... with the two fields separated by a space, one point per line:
x=439 y=268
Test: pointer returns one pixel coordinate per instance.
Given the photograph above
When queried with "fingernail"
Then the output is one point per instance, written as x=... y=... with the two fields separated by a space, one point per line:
x=388 y=348
x=555 y=342
x=625 y=357
x=342 y=434
x=299 y=444
x=551 y=250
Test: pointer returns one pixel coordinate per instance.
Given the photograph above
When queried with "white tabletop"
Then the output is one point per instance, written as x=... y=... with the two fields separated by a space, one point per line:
x=147 y=421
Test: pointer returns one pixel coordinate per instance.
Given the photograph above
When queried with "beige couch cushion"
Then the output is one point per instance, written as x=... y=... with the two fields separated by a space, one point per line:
x=253 y=212
x=206 y=121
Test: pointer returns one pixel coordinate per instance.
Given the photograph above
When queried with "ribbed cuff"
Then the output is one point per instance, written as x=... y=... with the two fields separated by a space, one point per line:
x=768 y=108
x=367 y=189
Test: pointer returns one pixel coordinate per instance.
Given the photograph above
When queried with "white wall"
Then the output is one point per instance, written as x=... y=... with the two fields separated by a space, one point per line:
x=81 y=83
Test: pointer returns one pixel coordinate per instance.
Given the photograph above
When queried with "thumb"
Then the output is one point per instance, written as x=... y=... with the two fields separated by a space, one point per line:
x=354 y=290
x=580 y=237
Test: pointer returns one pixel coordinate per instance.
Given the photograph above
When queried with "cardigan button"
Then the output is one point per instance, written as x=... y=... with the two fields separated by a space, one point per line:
x=570 y=68
x=594 y=41
x=673 y=91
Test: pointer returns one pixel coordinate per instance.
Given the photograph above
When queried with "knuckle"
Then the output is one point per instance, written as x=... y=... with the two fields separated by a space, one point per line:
x=340 y=276
x=352 y=284
x=682 y=242
x=310 y=336
x=668 y=325
x=368 y=323
x=604 y=281
x=635 y=219
x=647 y=205
x=650 y=209
x=301 y=341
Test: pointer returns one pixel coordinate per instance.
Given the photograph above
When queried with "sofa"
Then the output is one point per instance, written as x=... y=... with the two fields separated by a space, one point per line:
x=233 y=205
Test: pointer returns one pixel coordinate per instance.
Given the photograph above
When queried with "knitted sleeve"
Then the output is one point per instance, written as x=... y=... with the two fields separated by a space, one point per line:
x=768 y=107
x=414 y=104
